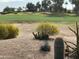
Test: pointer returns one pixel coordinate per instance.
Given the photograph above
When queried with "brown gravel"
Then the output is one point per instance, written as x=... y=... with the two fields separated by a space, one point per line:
x=24 y=47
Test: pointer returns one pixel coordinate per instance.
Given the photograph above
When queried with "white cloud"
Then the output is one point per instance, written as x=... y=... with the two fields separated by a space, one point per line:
x=9 y=0
x=68 y=6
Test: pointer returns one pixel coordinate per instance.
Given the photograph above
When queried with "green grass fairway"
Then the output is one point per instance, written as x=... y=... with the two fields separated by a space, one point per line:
x=36 y=17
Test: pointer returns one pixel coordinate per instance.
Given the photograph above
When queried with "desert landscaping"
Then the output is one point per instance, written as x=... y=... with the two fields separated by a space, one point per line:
x=39 y=29
x=25 y=47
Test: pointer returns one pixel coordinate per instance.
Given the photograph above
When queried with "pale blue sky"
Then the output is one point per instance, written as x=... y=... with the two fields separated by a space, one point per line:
x=18 y=3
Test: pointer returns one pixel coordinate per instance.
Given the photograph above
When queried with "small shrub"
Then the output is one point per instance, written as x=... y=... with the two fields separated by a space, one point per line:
x=45 y=48
x=3 y=31
x=8 y=31
x=13 y=31
x=44 y=30
x=47 y=28
x=41 y=36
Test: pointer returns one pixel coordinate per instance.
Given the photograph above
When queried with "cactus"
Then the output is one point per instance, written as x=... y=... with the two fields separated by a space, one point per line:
x=59 y=48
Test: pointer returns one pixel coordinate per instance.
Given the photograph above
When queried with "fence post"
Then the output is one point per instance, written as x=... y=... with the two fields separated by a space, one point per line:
x=59 y=48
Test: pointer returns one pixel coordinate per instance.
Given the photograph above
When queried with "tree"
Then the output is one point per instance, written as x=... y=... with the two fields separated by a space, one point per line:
x=46 y=5
x=19 y=9
x=8 y=10
x=49 y=5
x=38 y=6
x=58 y=5
x=76 y=9
x=31 y=7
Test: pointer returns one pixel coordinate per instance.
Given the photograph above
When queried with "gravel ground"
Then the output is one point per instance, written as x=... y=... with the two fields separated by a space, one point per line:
x=24 y=47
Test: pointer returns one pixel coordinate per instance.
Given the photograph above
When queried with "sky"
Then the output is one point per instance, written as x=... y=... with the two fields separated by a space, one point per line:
x=68 y=6
x=22 y=3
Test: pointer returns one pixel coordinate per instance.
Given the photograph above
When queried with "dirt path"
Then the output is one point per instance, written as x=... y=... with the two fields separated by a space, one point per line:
x=24 y=47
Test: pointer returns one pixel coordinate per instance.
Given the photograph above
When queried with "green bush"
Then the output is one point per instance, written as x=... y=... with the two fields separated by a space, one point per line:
x=8 y=31
x=12 y=30
x=47 y=28
x=3 y=31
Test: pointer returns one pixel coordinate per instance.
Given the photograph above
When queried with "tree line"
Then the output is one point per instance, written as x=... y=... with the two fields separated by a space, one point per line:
x=45 y=6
